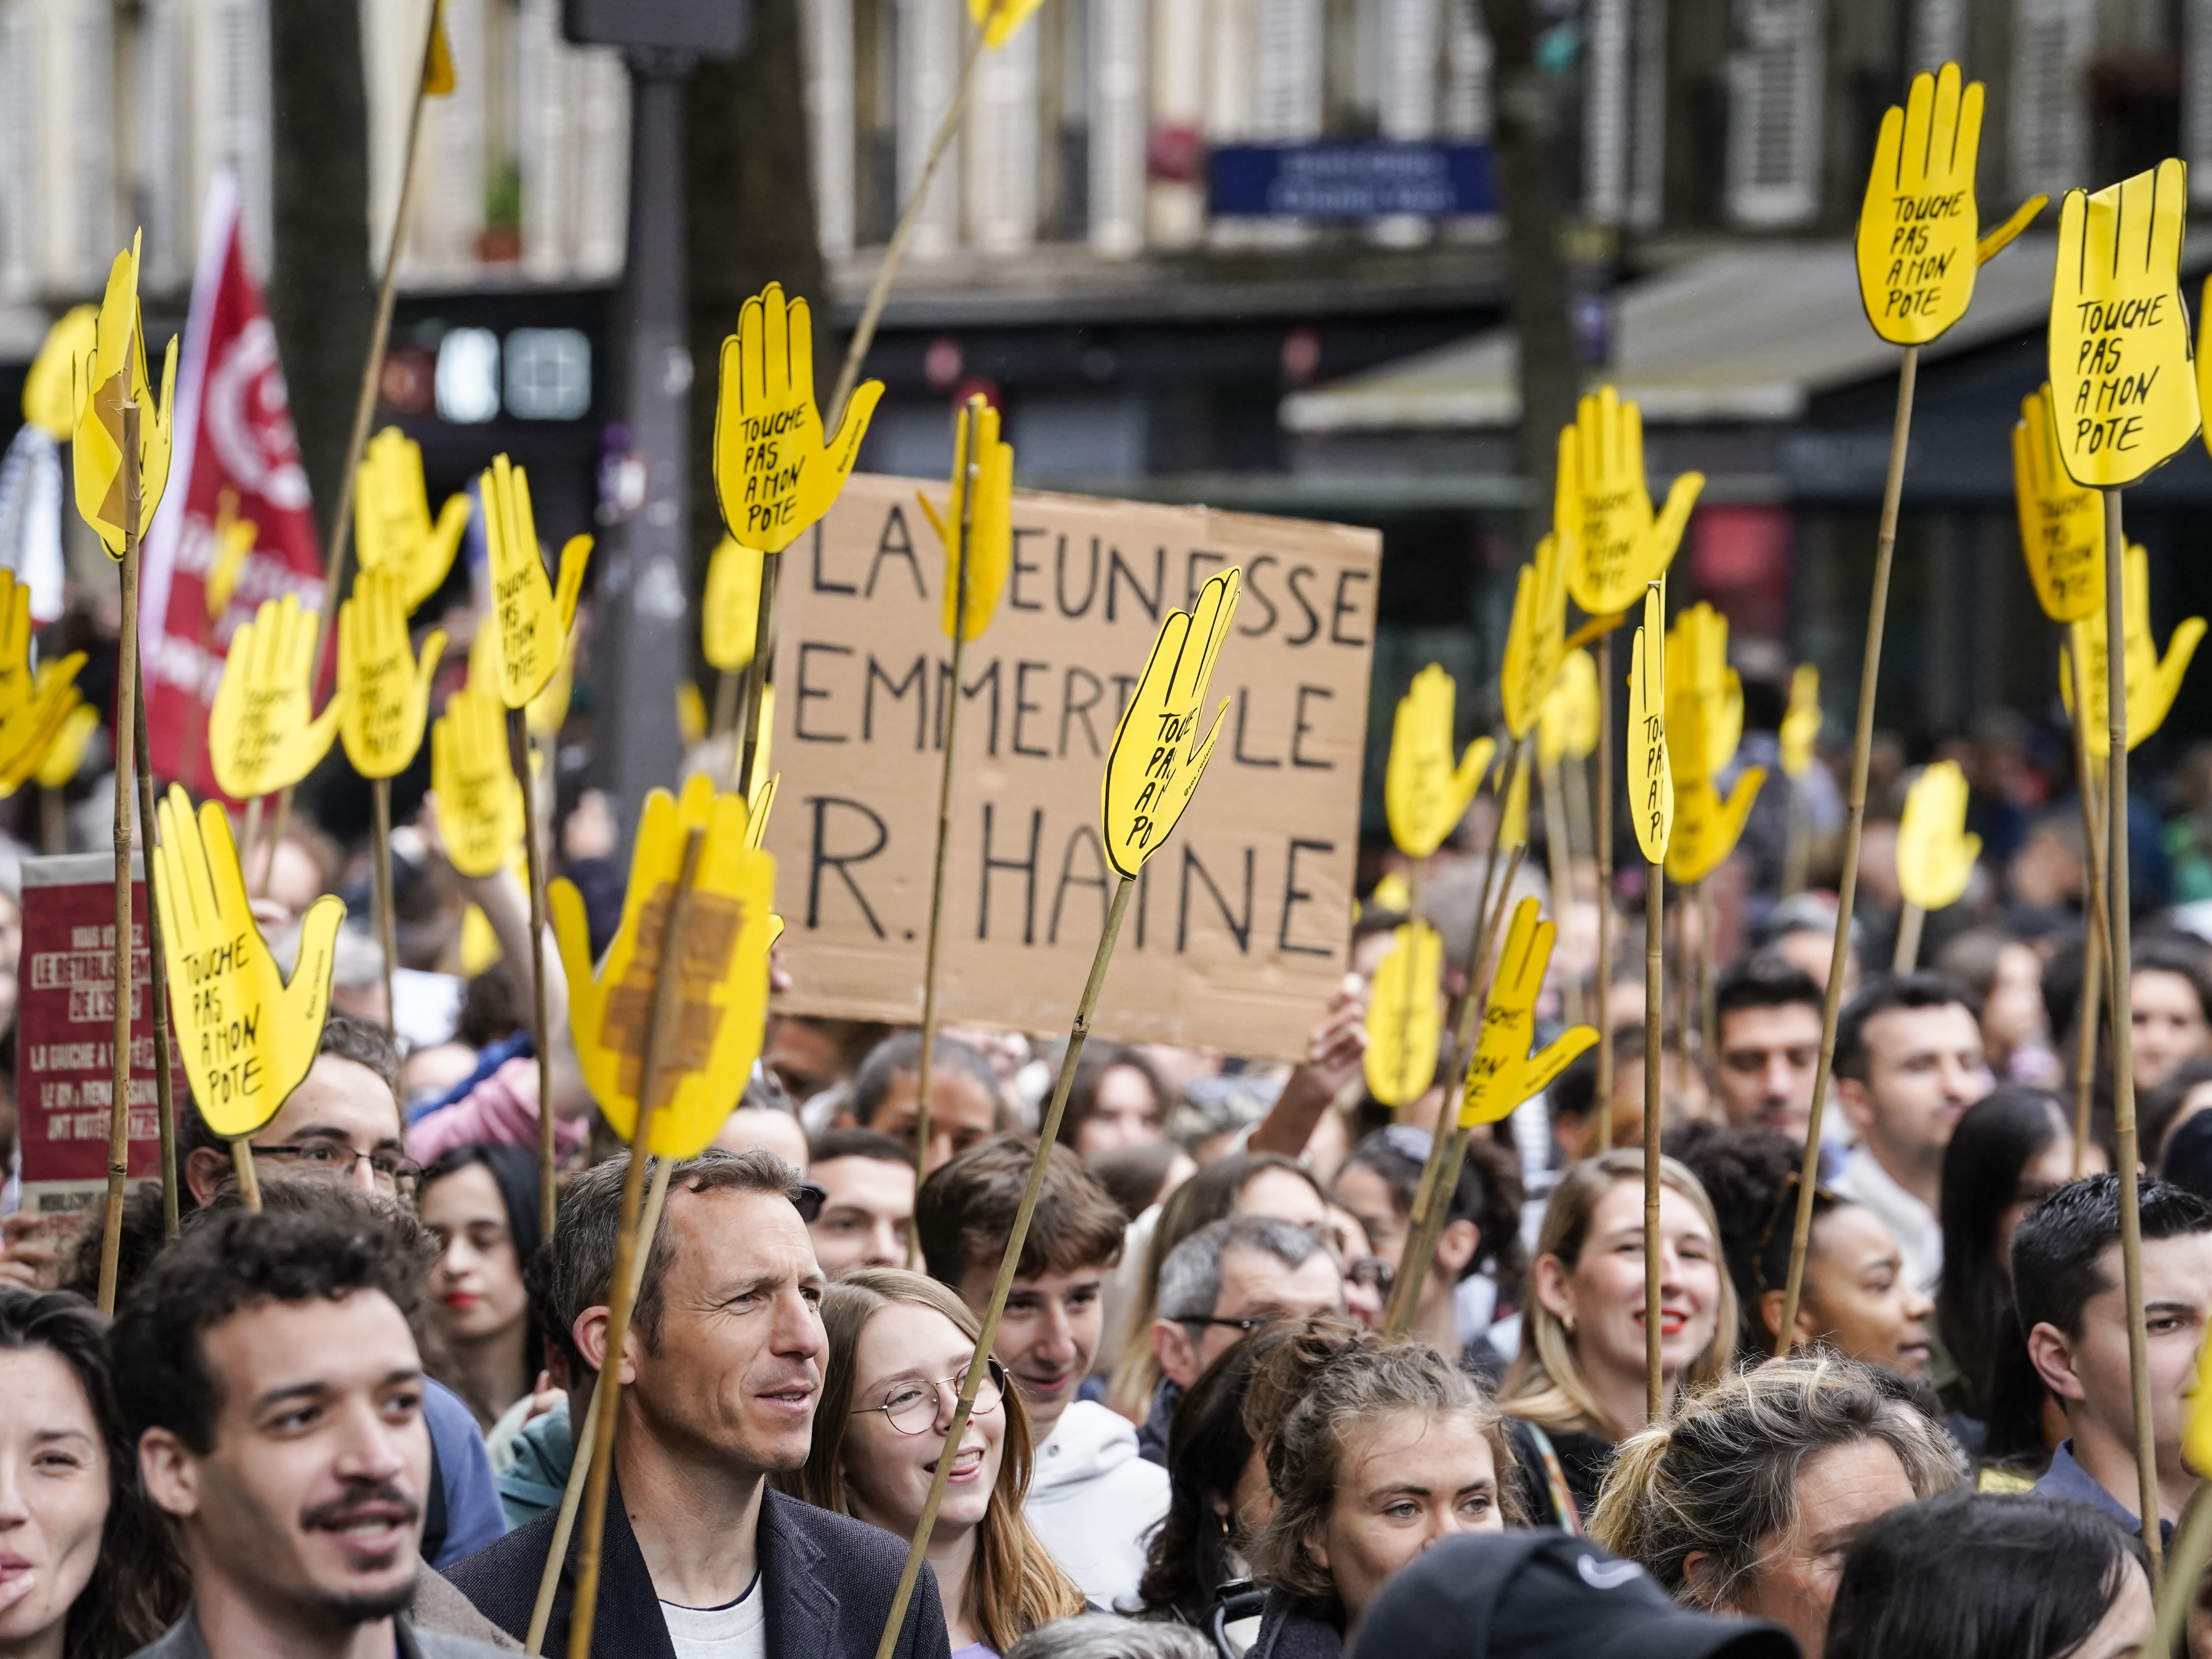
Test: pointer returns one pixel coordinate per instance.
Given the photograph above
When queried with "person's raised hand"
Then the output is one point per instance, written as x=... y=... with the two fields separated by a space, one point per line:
x=1424 y=795
x=1935 y=854
x=384 y=691
x=1503 y=1073
x=1157 y=758
x=479 y=802
x=529 y=619
x=263 y=733
x=392 y=530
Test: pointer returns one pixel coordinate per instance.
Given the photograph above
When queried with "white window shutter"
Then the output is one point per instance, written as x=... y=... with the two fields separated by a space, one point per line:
x=827 y=43
x=22 y=115
x=1606 y=115
x=929 y=43
x=230 y=117
x=1774 y=114
x=1001 y=139
x=2197 y=96
x=1118 y=46
x=2052 y=40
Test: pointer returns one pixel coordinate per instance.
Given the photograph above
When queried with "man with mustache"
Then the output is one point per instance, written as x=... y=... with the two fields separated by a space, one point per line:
x=721 y=1371
x=271 y=1387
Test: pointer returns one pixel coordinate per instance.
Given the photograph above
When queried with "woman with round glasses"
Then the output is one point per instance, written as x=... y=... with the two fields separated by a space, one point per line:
x=899 y=1346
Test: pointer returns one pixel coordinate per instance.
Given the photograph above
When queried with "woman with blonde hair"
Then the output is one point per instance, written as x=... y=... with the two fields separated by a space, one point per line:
x=898 y=1350
x=1580 y=1377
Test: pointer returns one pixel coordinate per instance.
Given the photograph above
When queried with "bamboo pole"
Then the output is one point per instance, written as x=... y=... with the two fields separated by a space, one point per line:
x=744 y=735
x=2123 y=1085
x=2096 y=937
x=249 y=1179
x=979 y=1363
x=127 y=704
x=1604 y=850
x=541 y=1035
x=1798 y=846
x=157 y=988
x=1885 y=549
x=1560 y=856
x=1709 y=1040
x=387 y=932
x=1909 y=921
x=1654 y=904
x=623 y=1300
x=2193 y=1549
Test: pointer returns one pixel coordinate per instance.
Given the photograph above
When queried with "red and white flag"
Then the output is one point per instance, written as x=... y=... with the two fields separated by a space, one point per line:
x=238 y=461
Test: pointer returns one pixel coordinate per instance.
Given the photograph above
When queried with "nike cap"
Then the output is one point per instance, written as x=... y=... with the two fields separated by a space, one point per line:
x=1545 y=1595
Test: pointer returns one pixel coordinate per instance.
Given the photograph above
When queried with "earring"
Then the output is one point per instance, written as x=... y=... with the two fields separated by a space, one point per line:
x=1568 y=1321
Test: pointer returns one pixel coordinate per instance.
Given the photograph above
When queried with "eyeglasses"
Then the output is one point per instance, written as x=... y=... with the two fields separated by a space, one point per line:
x=1248 y=1325
x=1372 y=1273
x=324 y=1159
x=810 y=1198
x=911 y=1408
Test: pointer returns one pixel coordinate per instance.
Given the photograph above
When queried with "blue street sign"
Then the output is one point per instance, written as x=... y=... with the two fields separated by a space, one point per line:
x=1361 y=179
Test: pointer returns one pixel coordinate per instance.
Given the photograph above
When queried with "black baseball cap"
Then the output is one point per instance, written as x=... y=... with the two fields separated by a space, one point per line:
x=1545 y=1595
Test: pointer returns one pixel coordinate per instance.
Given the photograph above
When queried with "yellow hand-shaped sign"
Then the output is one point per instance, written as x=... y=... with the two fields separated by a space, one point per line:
x=2196 y=1433
x=998 y=19
x=438 y=79
x=33 y=730
x=1567 y=729
x=531 y=620
x=1406 y=1016
x=472 y=773
x=1704 y=696
x=383 y=691
x=1503 y=1073
x=263 y=734
x=2062 y=524
x=1536 y=638
x=1513 y=815
x=1424 y=795
x=1918 y=227
x=234 y=540
x=1706 y=828
x=2124 y=396
x=773 y=473
x=991 y=523
x=1935 y=854
x=49 y=390
x=392 y=525
x=17 y=678
x=1801 y=725
x=1620 y=545
x=730 y=617
x=2152 y=680
x=114 y=375
x=247 y=1035
x=65 y=755
x=1650 y=779
x=1157 y=758
x=721 y=970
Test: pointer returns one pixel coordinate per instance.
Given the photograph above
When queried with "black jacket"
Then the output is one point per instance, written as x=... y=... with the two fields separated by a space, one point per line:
x=828 y=1580
x=1287 y=1633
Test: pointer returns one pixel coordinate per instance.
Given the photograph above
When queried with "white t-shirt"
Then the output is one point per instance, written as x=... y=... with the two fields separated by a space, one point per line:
x=737 y=1629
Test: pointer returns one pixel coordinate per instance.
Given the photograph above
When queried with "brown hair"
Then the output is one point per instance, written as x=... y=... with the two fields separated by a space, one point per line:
x=1545 y=1381
x=1308 y=1398
x=964 y=1212
x=1013 y=1583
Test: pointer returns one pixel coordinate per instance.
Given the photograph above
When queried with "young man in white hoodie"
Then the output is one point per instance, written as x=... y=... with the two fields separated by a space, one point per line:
x=1092 y=1499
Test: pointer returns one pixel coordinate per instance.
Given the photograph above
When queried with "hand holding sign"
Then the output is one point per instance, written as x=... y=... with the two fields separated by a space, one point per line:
x=1157 y=759
x=472 y=774
x=1918 y=226
x=247 y=1035
x=1650 y=779
x=530 y=620
x=1935 y=854
x=1406 y=1016
x=2124 y=398
x=730 y=616
x=2153 y=681
x=2062 y=524
x=773 y=473
x=1503 y=1073
x=384 y=692
x=392 y=528
x=722 y=970
x=114 y=375
x=1618 y=546
x=990 y=527
x=263 y=734
x=1424 y=795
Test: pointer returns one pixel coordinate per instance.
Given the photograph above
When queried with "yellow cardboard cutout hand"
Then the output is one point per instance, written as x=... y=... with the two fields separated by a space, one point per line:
x=234 y=540
x=1406 y=1016
x=1935 y=854
x=998 y=19
x=991 y=530
x=1801 y=725
x=1704 y=696
x=263 y=734
x=1424 y=795
x=1503 y=1073
x=2061 y=525
x=438 y=78
x=722 y=972
x=2124 y=396
x=1567 y=728
x=114 y=375
x=1651 y=778
x=531 y=620
x=383 y=691
x=2152 y=681
x=392 y=526
x=49 y=390
x=65 y=755
x=773 y=473
x=1919 y=225
x=1536 y=639
x=30 y=733
x=245 y=1034
x=18 y=680
x=1513 y=816
x=2196 y=1432
x=472 y=773
x=1620 y=546
x=1706 y=828
x=730 y=617
x=1157 y=758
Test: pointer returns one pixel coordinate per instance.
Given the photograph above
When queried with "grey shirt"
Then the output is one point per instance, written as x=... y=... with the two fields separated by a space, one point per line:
x=184 y=1641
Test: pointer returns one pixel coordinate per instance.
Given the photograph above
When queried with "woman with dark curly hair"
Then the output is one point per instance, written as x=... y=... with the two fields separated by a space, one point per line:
x=84 y=1573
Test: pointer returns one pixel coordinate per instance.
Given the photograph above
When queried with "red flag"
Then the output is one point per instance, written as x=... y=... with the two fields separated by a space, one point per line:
x=238 y=461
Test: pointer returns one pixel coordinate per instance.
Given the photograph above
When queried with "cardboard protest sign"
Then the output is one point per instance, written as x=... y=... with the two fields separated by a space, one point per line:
x=64 y=1077
x=1237 y=932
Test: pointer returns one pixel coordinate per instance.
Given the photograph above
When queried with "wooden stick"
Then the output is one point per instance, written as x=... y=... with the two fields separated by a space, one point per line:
x=1413 y=988
x=1709 y=1041
x=745 y=734
x=2192 y=1548
x=2096 y=937
x=541 y=1033
x=581 y=1440
x=1797 y=847
x=157 y=988
x=126 y=702
x=725 y=705
x=1604 y=850
x=1654 y=903
x=930 y=961
x=1560 y=856
x=978 y=1364
x=2124 y=1084
x=387 y=932
x=621 y=1300
x=249 y=1179
x=1885 y=547
x=257 y=872
x=1909 y=922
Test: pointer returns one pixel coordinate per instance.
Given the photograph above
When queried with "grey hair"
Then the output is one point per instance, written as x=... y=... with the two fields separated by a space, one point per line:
x=1720 y=1480
x=1109 y=1636
x=579 y=1257
x=1190 y=1278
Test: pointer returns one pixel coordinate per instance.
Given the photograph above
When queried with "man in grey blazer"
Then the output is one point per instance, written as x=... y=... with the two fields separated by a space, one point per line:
x=269 y=1382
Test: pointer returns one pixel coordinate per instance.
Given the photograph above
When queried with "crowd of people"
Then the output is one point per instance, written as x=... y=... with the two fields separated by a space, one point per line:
x=343 y=1424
